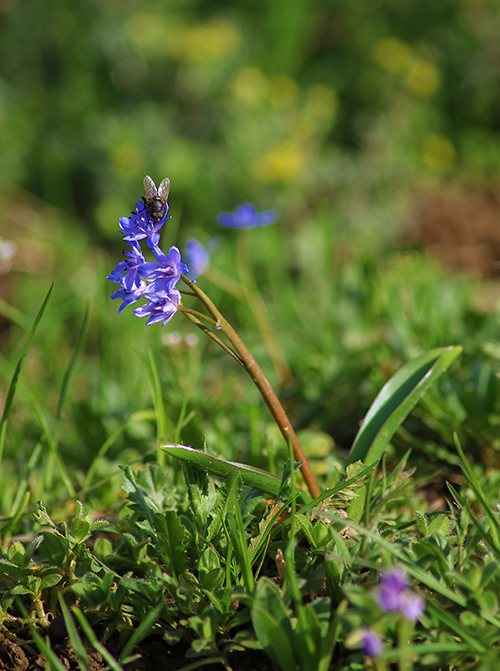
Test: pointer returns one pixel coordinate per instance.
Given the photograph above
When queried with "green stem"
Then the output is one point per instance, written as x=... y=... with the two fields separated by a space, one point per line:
x=189 y=314
x=262 y=384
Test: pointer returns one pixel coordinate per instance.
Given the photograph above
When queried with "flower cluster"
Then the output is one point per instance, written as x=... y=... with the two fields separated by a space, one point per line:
x=154 y=281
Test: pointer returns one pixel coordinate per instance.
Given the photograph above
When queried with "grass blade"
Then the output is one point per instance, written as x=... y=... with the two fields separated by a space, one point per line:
x=93 y=640
x=69 y=370
x=15 y=378
x=74 y=636
x=43 y=645
x=141 y=632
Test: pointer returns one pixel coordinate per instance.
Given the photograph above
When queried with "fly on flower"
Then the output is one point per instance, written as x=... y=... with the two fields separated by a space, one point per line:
x=156 y=198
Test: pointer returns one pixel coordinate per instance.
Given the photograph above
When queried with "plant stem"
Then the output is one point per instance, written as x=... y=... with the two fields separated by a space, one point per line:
x=262 y=384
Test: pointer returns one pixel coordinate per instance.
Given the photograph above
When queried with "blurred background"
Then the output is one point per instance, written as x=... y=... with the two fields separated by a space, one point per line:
x=369 y=127
x=356 y=108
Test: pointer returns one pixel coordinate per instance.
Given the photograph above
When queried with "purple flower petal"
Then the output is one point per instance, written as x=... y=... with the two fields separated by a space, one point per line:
x=141 y=225
x=166 y=267
x=160 y=307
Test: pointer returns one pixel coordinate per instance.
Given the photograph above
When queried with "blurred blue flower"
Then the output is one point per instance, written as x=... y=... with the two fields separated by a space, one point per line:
x=412 y=606
x=141 y=225
x=197 y=257
x=392 y=586
x=247 y=216
x=394 y=596
x=372 y=643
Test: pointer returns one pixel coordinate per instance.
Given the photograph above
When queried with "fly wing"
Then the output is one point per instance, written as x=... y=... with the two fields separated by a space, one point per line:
x=149 y=188
x=164 y=190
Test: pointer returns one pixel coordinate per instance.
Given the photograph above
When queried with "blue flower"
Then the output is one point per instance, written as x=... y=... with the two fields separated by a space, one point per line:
x=197 y=258
x=128 y=295
x=127 y=276
x=166 y=268
x=412 y=606
x=161 y=306
x=247 y=216
x=372 y=643
x=392 y=586
x=130 y=266
x=394 y=596
x=141 y=225
x=154 y=281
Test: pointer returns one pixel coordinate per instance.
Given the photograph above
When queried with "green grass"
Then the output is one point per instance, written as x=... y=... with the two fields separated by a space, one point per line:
x=127 y=542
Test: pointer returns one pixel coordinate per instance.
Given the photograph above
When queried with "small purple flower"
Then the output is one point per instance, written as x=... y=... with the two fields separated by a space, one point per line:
x=372 y=643
x=130 y=266
x=394 y=596
x=247 y=216
x=141 y=225
x=392 y=586
x=412 y=606
x=161 y=306
x=197 y=258
x=128 y=296
x=131 y=285
x=167 y=268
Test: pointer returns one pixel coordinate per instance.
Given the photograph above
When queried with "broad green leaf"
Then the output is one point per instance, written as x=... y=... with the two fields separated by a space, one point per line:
x=440 y=525
x=252 y=477
x=422 y=526
x=172 y=541
x=396 y=400
x=50 y=580
x=307 y=638
x=272 y=625
x=147 y=491
x=227 y=499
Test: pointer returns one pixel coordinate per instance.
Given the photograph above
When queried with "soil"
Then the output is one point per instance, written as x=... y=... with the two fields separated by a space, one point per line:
x=460 y=227
x=154 y=655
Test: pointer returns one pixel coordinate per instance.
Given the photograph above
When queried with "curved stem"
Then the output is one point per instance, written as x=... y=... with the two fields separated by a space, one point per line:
x=199 y=315
x=262 y=384
x=189 y=314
